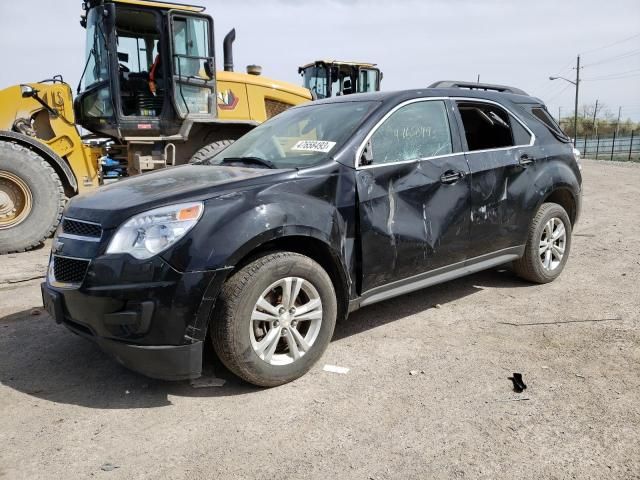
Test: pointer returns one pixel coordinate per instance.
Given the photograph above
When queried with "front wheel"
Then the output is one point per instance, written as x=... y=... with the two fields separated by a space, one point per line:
x=274 y=319
x=548 y=245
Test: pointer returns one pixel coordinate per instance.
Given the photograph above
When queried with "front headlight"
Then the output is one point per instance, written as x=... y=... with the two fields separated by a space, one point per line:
x=149 y=233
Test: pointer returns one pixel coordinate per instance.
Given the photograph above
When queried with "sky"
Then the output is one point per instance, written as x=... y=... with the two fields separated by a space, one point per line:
x=415 y=43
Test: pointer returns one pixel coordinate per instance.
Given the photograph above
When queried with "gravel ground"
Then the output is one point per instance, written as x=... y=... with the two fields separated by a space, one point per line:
x=69 y=411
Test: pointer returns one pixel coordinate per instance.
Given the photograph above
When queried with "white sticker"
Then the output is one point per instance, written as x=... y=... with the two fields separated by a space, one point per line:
x=314 y=146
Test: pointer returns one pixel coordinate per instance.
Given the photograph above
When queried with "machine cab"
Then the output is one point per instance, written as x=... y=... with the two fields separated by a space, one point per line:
x=332 y=78
x=149 y=66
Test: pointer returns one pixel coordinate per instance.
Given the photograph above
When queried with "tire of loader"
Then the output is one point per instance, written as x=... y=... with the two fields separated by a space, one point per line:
x=31 y=198
x=208 y=151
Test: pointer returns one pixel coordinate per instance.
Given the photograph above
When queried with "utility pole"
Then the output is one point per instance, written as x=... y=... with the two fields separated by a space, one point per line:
x=595 y=112
x=559 y=114
x=575 y=110
x=618 y=122
x=575 y=115
x=478 y=82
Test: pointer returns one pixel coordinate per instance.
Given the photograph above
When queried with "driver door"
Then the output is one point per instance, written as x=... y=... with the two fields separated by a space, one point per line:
x=192 y=65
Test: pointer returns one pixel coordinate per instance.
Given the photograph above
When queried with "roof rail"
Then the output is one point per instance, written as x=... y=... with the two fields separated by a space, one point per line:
x=477 y=86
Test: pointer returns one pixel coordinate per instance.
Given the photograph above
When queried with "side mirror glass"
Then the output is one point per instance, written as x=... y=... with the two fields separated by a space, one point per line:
x=28 y=91
x=367 y=154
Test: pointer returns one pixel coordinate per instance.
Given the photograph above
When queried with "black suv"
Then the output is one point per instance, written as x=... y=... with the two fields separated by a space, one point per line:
x=326 y=208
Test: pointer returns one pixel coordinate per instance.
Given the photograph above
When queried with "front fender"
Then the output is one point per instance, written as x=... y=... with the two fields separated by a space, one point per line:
x=237 y=223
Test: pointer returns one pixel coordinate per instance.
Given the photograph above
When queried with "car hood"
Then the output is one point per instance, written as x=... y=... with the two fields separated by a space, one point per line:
x=110 y=205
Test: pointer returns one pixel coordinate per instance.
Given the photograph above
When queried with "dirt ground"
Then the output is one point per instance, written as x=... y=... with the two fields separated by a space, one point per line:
x=69 y=411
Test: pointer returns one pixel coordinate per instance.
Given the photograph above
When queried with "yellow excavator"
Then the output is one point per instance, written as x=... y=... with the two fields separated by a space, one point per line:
x=149 y=95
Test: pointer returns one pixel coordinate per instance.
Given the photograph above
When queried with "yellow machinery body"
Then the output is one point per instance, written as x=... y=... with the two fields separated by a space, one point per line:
x=59 y=133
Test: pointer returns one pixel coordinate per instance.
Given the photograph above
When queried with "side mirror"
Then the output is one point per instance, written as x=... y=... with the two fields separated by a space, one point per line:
x=367 y=155
x=28 y=91
x=208 y=68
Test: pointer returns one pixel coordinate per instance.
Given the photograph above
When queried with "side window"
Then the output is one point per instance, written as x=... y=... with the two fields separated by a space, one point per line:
x=368 y=80
x=417 y=130
x=487 y=126
x=542 y=114
x=191 y=46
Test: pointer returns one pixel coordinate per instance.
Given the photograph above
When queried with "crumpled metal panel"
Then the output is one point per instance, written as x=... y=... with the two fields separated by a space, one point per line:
x=410 y=221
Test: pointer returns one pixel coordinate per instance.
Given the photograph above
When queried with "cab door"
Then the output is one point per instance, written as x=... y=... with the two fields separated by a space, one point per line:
x=413 y=191
x=192 y=65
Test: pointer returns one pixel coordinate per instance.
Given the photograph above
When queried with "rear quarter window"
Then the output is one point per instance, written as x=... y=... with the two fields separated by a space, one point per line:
x=547 y=120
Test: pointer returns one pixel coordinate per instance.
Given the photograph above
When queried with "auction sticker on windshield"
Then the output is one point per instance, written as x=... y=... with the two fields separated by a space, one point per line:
x=314 y=146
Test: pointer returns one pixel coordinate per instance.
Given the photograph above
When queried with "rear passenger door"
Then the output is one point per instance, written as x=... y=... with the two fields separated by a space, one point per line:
x=413 y=190
x=501 y=160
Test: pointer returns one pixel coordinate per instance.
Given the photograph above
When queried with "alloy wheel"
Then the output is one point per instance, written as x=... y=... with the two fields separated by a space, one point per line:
x=553 y=242
x=286 y=321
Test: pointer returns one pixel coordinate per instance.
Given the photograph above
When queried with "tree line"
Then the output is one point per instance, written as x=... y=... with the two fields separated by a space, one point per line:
x=605 y=124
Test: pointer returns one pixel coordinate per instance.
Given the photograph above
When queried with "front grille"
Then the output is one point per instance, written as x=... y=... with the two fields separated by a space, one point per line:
x=80 y=228
x=274 y=107
x=69 y=270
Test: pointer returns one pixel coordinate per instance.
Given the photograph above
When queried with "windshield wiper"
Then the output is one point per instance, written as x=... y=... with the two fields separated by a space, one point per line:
x=249 y=160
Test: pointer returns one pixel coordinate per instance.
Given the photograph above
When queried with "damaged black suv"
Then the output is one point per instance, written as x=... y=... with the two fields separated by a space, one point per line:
x=325 y=208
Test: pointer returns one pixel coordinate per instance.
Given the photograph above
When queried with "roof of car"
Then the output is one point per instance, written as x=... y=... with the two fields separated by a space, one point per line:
x=403 y=95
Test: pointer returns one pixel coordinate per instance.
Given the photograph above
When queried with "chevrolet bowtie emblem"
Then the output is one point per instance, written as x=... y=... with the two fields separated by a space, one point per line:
x=57 y=246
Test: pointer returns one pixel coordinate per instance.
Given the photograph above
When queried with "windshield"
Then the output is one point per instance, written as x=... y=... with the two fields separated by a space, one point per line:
x=315 y=79
x=299 y=137
x=97 y=66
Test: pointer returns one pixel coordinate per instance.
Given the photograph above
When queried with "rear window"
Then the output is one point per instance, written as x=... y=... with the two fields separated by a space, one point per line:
x=541 y=114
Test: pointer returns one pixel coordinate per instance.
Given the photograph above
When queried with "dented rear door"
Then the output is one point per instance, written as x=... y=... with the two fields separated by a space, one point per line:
x=414 y=195
x=500 y=178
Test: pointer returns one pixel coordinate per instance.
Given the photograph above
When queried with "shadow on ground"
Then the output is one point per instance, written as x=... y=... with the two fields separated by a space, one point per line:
x=47 y=361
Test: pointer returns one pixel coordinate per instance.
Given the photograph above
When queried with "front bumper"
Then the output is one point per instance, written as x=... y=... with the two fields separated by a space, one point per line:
x=150 y=317
x=164 y=362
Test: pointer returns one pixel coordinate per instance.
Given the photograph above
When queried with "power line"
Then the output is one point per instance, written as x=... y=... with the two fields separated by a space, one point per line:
x=612 y=78
x=615 y=74
x=612 y=44
x=628 y=54
x=559 y=93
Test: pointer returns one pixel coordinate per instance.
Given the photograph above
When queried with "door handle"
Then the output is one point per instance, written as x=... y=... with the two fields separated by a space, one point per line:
x=451 y=176
x=525 y=160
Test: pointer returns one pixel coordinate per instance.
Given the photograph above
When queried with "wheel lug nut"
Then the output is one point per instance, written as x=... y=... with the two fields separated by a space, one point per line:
x=292 y=310
x=281 y=310
x=276 y=323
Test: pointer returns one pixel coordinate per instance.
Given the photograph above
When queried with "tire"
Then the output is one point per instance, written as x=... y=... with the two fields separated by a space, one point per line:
x=208 y=151
x=534 y=264
x=236 y=336
x=31 y=198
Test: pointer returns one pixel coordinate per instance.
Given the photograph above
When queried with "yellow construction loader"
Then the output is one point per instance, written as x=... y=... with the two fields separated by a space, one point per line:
x=149 y=95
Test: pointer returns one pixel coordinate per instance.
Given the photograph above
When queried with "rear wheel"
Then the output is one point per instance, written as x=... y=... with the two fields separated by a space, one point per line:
x=274 y=319
x=31 y=198
x=208 y=151
x=548 y=245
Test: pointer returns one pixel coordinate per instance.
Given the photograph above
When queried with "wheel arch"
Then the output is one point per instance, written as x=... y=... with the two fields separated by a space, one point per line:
x=565 y=197
x=61 y=167
x=304 y=243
